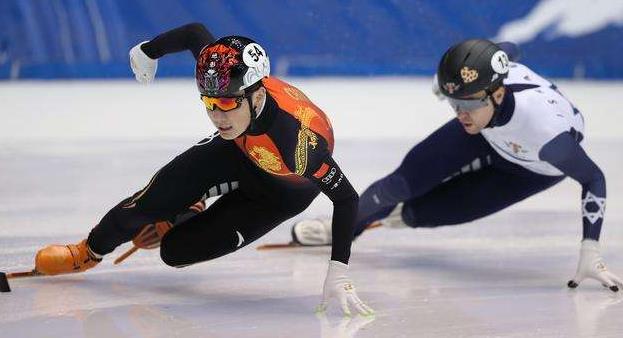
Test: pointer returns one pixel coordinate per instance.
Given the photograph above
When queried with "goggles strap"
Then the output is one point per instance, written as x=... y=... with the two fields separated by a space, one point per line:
x=496 y=107
x=248 y=93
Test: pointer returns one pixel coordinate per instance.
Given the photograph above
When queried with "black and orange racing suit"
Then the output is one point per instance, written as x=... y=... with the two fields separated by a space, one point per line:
x=269 y=174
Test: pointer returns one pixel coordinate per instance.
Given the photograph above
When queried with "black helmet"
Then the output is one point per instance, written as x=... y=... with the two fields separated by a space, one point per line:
x=471 y=66
x=229 y=65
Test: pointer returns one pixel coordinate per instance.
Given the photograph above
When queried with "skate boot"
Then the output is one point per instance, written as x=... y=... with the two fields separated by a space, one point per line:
x=59 y=259
x=312 y=232
x=316 y=232
x=394 y=219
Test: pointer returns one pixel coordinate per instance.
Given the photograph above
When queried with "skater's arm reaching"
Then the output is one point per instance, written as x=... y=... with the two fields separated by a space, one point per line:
x=144 y=56
x=192 y=37
x=565 y=153
x=333 y=183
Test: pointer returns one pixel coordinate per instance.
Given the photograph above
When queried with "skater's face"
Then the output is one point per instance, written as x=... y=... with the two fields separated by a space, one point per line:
x=232 y=116
x=474 y=120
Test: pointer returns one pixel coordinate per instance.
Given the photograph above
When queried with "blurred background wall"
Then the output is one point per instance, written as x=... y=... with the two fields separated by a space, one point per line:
x=90 y=38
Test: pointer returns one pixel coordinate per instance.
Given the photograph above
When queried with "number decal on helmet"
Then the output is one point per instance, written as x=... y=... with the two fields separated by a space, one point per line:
x=256 y=59
x=253 y=55
x=499 y=62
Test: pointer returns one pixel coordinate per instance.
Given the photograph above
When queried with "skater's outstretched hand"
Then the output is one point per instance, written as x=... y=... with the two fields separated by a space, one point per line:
x=143 y=67
x=591 y=265
x=338 y=285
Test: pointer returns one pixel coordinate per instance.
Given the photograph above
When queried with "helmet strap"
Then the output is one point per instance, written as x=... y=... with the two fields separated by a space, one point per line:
x=248 y=93
x=496 y=107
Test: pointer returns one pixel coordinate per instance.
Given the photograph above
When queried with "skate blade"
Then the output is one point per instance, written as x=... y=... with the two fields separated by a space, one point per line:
x=278 y=246
x=4 y=278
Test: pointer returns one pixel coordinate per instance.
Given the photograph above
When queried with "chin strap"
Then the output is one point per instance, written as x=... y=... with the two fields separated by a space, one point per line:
x=252 y=112
x=252 y=109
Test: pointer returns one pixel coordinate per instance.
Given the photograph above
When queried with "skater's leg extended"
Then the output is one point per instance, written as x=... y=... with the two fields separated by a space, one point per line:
x=205 y=169
x=447 y=152
x=473 y=196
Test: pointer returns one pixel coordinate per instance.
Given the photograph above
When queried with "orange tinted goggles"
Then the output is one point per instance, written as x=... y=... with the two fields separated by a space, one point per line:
x=222 y=103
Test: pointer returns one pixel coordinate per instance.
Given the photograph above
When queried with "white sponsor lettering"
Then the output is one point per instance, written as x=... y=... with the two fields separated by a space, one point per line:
x=329 y=176
x=338 y=182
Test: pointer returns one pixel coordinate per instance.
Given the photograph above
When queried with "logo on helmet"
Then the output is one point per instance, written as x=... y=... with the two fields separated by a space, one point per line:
x=451 y=87
x=215 y=66
x=469 y=75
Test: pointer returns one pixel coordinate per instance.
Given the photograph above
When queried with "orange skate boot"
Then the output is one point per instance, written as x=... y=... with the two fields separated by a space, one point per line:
x=59 y=259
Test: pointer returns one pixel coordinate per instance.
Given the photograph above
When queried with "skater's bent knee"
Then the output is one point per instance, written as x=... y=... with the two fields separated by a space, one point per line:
x=168 y=259
x=170 y=256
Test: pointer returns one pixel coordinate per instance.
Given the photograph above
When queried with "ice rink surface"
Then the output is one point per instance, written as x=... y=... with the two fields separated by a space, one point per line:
x=71 y=150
